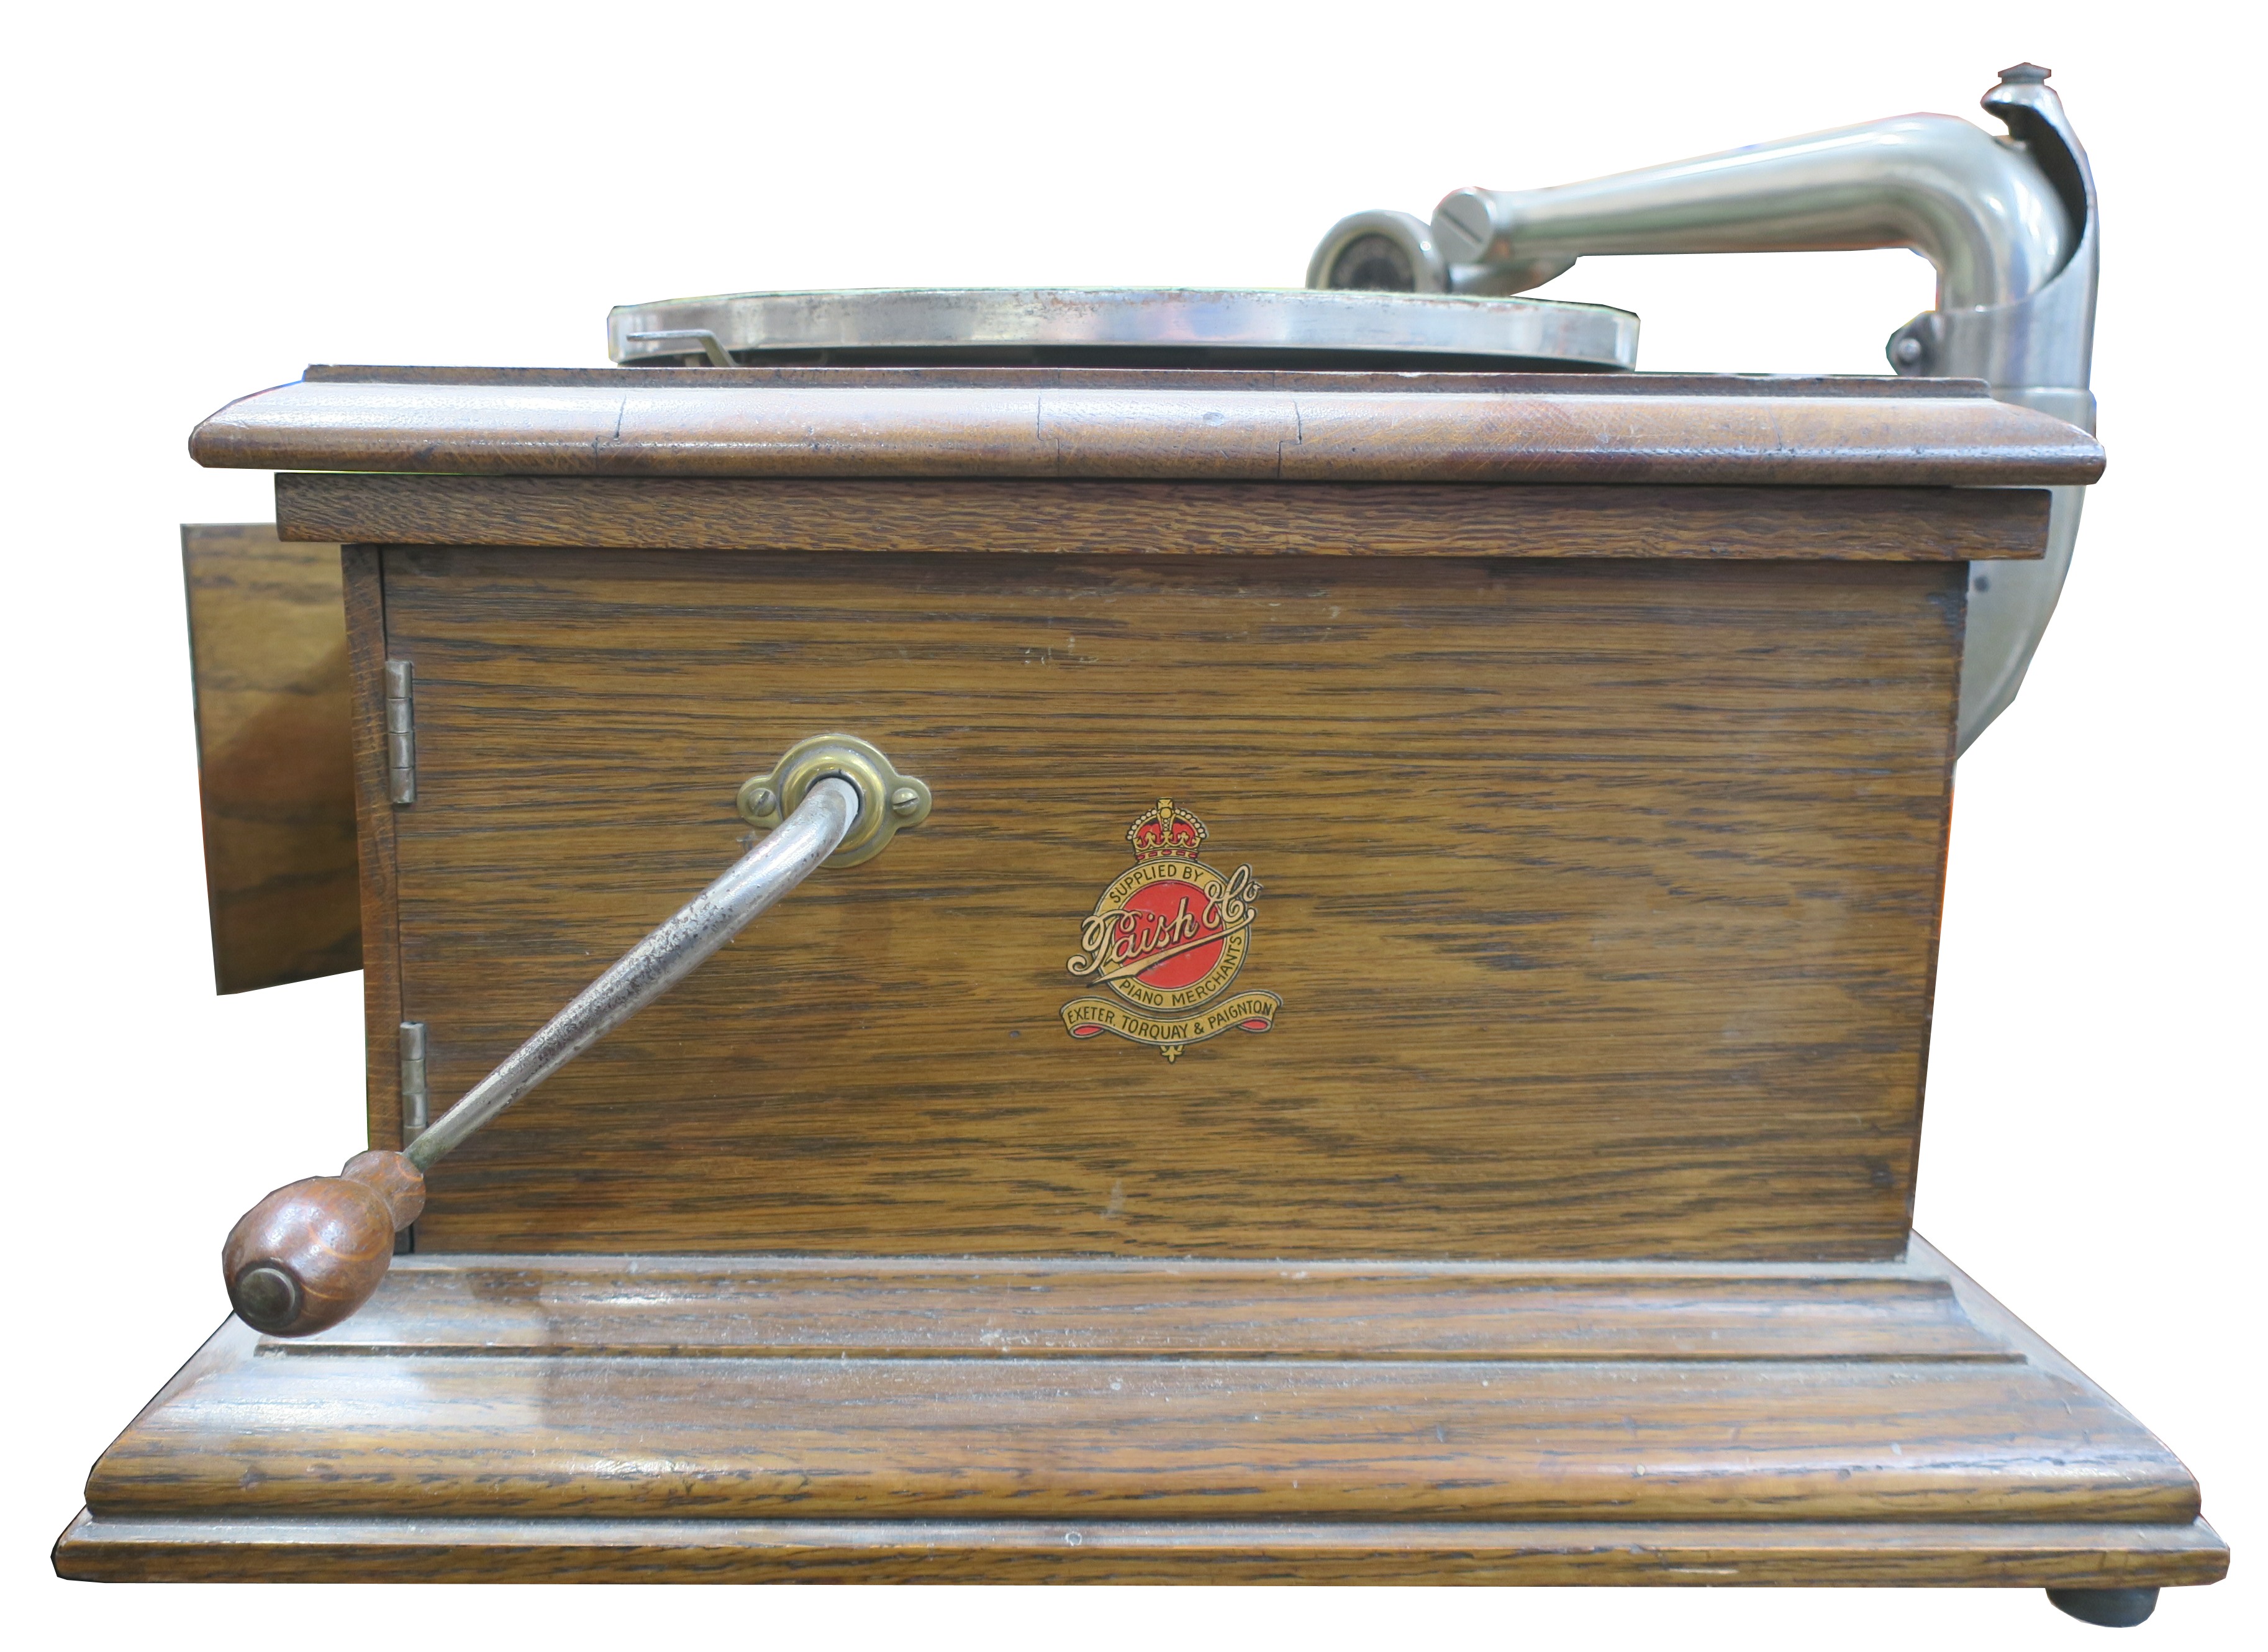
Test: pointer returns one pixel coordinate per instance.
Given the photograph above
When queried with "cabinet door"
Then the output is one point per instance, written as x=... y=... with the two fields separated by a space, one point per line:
x=267 y=645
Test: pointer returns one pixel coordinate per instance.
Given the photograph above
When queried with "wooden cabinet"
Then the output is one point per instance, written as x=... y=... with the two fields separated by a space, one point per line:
x=1541 y=1213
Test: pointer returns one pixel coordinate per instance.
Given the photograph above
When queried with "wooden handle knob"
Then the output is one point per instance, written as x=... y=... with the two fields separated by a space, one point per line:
x=310 y=1254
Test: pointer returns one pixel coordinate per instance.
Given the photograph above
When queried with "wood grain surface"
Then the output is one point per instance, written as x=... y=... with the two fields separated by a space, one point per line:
x=268 y=647
x=1155 y=424
x=364 y=591
x=1555 y=1230
x=1600 y=897
x=1168 y=517
x=386 y=1436
x=437 y=1423
x=1061 y=1309
x=1713 y=1553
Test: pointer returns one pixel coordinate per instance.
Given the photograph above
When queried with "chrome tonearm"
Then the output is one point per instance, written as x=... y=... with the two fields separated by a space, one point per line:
x=2009 y=223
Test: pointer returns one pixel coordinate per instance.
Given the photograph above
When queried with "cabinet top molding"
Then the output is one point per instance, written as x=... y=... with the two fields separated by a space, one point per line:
x=1103 y=424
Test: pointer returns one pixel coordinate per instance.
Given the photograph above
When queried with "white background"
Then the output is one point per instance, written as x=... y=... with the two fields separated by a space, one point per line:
x=202 y=200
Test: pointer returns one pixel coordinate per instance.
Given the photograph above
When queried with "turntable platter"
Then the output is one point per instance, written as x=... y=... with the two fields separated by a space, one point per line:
x=1127 y=327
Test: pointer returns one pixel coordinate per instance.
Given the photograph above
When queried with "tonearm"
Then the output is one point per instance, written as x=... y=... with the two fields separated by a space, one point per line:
x=2009 y=223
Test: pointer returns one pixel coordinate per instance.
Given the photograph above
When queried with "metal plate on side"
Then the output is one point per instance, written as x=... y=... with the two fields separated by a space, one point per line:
x=267 y=643
x=1130 y=326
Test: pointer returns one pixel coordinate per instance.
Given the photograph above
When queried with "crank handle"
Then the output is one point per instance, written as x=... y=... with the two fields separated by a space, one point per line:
x=311 y=1253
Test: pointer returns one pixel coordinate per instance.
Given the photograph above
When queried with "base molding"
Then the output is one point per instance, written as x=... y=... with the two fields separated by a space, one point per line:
x=1700 y=1553
x=875 y=1419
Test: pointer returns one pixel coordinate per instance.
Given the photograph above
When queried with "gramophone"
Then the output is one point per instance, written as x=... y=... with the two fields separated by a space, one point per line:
x=1358 y=890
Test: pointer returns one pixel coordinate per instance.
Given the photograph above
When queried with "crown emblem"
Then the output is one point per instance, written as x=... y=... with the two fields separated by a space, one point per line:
x=1165 y=830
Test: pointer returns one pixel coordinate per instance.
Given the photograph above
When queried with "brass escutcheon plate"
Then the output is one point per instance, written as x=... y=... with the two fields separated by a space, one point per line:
x=889 y=801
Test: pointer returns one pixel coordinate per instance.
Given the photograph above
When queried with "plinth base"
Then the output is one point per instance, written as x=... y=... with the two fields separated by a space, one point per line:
x=881 y=1419
x=1880 y=1554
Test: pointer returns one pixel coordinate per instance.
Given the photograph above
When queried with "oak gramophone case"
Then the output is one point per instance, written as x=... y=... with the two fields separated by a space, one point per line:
x=1356 y=1002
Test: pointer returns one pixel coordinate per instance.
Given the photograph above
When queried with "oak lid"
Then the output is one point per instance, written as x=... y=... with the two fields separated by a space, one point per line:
x=1122 y=424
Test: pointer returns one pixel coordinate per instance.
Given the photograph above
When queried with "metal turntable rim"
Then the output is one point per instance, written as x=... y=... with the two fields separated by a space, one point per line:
x=1131 y=322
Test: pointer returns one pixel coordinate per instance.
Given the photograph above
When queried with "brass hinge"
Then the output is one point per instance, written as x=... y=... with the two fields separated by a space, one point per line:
x=416 y=1100
x=400 y=735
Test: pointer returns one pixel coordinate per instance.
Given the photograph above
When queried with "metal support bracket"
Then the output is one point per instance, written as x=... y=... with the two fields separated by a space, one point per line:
x=888 y=802
x=711 y=346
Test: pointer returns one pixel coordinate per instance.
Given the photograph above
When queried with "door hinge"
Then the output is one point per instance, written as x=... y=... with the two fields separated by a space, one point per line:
x=416 y=1100
x=400 y=735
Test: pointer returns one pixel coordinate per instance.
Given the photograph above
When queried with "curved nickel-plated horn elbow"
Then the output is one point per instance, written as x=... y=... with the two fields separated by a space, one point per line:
x=2009 y=223
x=1979 y=209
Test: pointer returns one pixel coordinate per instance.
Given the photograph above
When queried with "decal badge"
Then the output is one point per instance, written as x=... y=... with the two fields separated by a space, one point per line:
x=1167 y=938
